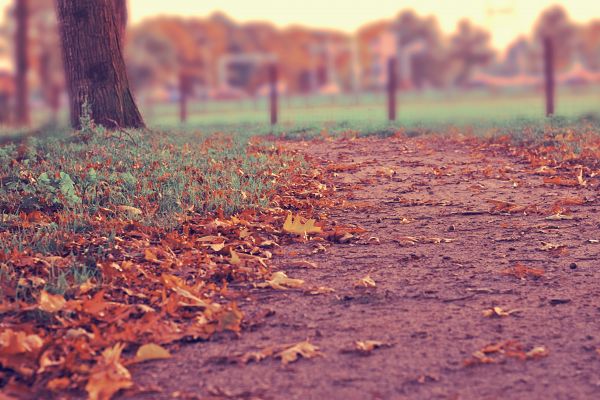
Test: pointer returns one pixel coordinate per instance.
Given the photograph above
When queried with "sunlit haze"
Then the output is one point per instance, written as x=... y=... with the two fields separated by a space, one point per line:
x=509 y=18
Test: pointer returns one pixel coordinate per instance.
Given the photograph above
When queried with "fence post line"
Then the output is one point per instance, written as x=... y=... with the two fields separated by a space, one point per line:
x=274 y=95
x=549 y=64
x=392 y=85
x=183 y=97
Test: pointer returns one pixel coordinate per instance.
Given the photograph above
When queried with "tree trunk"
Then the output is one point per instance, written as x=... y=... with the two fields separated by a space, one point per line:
x=21 y=62
x=122 y=16
x=94 y=65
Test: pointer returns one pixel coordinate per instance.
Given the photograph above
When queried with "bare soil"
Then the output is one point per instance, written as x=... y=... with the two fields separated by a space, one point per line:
x=429 y=300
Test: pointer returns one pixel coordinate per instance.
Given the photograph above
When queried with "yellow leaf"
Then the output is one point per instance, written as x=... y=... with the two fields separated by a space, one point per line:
x=580 y=179
x=257 y=356
x=151 y=256
x=108 y=376
x=131 y=212
x=367 y=346
x=235 y=259
x=230 y=320
x=302 y=349
x=50 y=302
x=366 y=282
x=151 y=351
x=294 y=225
x=217 y=246
x=279 y=280
x=498 y=312
x=320 y=290
x=537 y=352
x=58 y=384
x=560 y=217
x=551 y=246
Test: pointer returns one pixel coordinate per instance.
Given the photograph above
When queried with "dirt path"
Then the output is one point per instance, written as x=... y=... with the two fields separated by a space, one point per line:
x=429 y=298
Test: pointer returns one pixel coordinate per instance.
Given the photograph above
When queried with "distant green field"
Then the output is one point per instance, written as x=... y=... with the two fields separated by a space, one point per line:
x=458 y=108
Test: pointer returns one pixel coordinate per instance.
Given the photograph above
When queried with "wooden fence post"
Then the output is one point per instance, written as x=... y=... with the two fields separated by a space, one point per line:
x=549 y=61
x=274 y=95
x=392 y=84
x=184 y=90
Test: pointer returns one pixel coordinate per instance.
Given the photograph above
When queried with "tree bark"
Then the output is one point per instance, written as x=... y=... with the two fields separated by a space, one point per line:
x=94 y=66
x=122 y=16
x=22 y=62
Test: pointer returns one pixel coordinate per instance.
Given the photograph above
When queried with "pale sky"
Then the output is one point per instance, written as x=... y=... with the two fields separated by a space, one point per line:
x=348 y=15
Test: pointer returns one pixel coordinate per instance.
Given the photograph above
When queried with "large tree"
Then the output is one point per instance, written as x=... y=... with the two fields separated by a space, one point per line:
x=470 y=47
x=555 y=24
x=91 y=34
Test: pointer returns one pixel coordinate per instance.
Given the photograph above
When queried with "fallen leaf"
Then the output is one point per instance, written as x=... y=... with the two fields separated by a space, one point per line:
x=235 y=258
x=366 y=282
x=551 y=246
x=294 y=225
x=521 y=271
x=560 y=217
x=367 y=346
x=279 y=280
x=108 y=376
x=257 y=356
x=537 y=352
x=301 y=264
x=320 y=290
x=580 y=179
x=412 y=240
x=498 y=312
x=557 y=180
x=19 y=351
x=150 y=256
x=303 y=349
x=151 y=351
x=51 y=302
x=58 y=384
x=131 y=212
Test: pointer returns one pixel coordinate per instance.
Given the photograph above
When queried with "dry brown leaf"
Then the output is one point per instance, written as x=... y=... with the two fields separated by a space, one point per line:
x=498 y=312
x=151 y=351
x=235 y=258
x=551 y=246
x=301 y=264
x=537 y=352
x=257 y=356
x=108 y=376
x=560 y=217
x=51 y=302
x=279 y=280
x=294 y=225
x=131 y=212
x=521 y=271
x=320 y=290
x=366 y=282
x=367 y=346
x=58 y=384
x=303 y=349
x=19 y=351
x=412 y=240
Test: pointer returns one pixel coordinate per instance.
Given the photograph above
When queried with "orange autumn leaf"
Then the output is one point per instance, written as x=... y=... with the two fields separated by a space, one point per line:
x=521 y=271
x=19 y=351
x=294 y=225
x=51 y=302
x=108 y=376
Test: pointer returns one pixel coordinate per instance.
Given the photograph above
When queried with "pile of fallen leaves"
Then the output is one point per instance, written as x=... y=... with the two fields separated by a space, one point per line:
x=144 y=287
